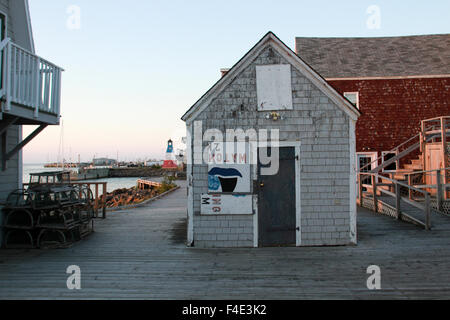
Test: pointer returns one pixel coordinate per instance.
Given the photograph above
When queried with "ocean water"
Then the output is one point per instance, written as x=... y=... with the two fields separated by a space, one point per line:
x=112 y=183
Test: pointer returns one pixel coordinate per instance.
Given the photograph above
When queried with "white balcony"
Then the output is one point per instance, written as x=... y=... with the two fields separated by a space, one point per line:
x=30 y=86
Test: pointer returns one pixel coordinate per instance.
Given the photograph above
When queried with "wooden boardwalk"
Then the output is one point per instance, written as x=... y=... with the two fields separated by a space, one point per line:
x=140 y=254
x=437 y=219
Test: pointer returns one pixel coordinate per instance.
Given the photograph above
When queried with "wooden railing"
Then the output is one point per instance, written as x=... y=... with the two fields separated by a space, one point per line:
x=29 y=80
x=401 y=150
x=99 y=197
x=431 y=130
x=143 y=184
x=436 y=182
x=378 y=185
x=437 y=131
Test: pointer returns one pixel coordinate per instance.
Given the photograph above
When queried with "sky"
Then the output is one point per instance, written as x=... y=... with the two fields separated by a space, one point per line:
x=133 y=68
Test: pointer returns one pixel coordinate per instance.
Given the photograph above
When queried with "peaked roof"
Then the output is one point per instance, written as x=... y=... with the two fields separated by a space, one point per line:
x=271 y=39
x=21 y=21
x=377 y=57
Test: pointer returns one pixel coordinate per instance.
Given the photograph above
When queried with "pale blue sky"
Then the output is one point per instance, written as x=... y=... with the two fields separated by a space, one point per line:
x=134 y=67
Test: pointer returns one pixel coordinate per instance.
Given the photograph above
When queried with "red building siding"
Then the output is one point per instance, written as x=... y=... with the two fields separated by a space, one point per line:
x=393 y=109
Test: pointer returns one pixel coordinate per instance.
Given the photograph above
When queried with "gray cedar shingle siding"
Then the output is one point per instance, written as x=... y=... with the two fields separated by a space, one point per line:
x=323 y=129
x=377 y=57
x=5 y=9
x=9 y=177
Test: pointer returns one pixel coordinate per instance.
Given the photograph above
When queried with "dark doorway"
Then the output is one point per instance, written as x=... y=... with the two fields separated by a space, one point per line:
x=276 y=202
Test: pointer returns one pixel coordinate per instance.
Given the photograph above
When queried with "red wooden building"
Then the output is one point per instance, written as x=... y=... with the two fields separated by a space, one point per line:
x=396 y=82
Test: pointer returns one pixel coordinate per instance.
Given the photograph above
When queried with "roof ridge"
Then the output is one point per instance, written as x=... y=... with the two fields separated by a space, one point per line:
x=379 y=37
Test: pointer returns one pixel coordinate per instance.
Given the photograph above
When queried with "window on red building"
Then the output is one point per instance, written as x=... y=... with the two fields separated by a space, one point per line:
x=353 y=97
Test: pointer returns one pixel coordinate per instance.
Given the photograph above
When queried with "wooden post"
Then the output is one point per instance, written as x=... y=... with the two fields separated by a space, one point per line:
x=444 y=141
x=410 y=184
x=360 y=190
x=3 y=150
x=423 y=138
x=104 y=200
x=427 y=212
x=9 y=75
x=96 y=199
x=444 y=153
x=439 y=192
x=398 y=199
x=374 y=187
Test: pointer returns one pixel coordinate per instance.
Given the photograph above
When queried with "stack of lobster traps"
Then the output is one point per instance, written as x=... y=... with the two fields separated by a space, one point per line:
x=49 y=213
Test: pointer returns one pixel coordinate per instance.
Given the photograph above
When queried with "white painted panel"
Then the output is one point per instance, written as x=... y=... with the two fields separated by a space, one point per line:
x=228 y=167
x=214 y=204
x=273 y=85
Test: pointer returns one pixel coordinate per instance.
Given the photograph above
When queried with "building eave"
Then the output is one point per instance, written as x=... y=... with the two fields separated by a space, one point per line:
x=289 y=55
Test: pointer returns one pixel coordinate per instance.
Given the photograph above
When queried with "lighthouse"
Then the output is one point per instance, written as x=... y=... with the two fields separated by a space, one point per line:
x=170 y=161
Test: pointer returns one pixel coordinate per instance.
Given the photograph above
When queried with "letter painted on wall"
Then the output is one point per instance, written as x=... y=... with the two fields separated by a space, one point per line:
x=228 y=168
x=214 y=204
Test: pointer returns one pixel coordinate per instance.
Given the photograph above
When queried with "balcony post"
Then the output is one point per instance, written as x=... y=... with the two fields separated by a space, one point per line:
x=58 y=91
x=7 y=59
x=37 y=83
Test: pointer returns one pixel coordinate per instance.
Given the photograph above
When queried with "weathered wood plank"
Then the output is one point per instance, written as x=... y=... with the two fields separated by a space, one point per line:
x=140 y=254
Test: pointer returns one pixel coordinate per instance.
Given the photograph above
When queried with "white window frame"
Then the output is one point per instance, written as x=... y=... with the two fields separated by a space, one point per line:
x=1 y=56
x=357 y=97
x=383 y=153
x=372 y=154
x=6 y=23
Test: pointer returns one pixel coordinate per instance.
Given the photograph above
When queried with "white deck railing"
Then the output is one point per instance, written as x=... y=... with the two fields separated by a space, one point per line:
x=29 y=80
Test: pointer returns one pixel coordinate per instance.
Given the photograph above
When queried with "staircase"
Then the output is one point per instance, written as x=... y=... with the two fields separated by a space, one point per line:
x=405 y=170
x=418 y=188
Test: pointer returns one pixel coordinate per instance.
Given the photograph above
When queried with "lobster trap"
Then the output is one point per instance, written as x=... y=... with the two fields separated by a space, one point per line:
x=50 y=213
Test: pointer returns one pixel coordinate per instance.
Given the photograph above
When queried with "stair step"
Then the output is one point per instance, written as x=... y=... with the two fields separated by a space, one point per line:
x=413 y=167
x=400 y=176
x=416 y=162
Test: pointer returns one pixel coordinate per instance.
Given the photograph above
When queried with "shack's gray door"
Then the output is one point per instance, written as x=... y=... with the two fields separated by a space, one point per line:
x=276 y=201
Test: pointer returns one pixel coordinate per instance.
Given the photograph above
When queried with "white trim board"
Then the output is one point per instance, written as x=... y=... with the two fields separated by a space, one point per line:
x=189 y=178
x=425 y=76
x=353 y=183
x=356 y=93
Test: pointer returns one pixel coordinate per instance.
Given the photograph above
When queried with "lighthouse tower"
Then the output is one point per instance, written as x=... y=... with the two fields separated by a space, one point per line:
x=170 y=162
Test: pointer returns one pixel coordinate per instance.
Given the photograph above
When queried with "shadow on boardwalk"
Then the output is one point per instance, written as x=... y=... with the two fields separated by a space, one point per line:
x=140 y=254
